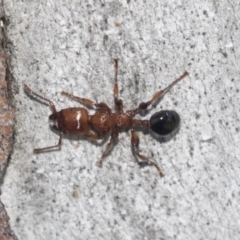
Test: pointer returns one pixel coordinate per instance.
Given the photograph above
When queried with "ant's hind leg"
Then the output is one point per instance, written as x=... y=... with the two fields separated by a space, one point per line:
x=157 y=95
x=39 y=150
x=109 y=146
x=135 y=148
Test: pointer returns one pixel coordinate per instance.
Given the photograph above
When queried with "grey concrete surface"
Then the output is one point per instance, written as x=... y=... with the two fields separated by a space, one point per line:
x=70 y=45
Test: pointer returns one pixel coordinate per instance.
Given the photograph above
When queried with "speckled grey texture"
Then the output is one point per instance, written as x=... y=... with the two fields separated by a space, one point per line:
x=68 y=45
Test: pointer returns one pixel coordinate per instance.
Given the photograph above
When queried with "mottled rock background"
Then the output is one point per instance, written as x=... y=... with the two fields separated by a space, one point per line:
x=70 y=45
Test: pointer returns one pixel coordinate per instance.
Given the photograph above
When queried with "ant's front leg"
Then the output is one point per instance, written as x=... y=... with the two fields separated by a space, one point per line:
x=89 y=103
x=92 y=136
x=31 y=92
x=114 y=136
x=135 y=148
x=156 y=96
x=39 y=150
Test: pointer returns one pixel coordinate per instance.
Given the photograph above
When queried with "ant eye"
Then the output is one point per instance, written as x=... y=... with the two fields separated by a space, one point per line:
x=164 y=122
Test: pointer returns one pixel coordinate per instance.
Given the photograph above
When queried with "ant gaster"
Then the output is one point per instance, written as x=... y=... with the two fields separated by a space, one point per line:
x=78 y=121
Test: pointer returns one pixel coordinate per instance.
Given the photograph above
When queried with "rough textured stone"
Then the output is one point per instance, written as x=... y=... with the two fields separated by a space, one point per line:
x=70 y=45
x=6 y=131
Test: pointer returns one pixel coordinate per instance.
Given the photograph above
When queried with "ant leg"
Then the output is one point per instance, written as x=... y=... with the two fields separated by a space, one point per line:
x=135 y=148
x=92 y=135
x=31 y=92
x=85 y=101
x=156 y=96
x=118 y=102
x=89 y=103
x=109 y=146
x=38 y=150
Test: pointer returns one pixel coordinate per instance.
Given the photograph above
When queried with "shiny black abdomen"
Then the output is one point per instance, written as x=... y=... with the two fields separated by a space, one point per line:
x=164 y=122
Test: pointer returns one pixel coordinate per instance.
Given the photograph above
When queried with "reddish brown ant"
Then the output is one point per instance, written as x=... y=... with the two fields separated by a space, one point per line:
x=103 y=121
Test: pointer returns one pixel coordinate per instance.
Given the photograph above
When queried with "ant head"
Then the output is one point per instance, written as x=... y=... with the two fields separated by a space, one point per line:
x=53 y=121
x=165 y=123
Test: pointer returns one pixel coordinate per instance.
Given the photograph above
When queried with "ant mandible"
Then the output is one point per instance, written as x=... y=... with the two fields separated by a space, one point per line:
x=78 y=121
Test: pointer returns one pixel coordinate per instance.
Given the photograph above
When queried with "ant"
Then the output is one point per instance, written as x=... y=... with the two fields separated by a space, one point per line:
x=78 y=121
